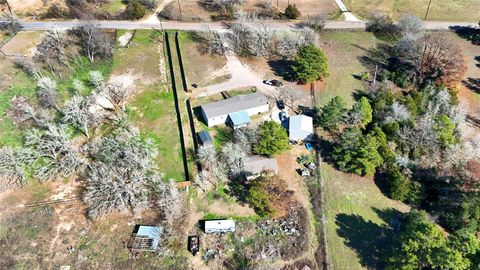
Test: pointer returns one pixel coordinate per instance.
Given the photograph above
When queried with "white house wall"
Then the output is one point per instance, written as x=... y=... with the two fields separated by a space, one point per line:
x=219 y=120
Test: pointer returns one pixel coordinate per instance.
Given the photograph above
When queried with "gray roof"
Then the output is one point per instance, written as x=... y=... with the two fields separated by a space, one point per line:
x=204 y=137
x=258 y=164
x=234 y=104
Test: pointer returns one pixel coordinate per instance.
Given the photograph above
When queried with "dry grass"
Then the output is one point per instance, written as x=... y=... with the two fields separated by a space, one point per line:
x=23 y=43
x=447 y=10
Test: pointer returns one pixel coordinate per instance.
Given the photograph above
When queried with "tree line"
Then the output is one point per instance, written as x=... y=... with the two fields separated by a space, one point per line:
x=406 y=130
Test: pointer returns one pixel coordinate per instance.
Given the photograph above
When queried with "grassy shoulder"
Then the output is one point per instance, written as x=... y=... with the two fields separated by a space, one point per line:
x=444 y=10
x=344 y=51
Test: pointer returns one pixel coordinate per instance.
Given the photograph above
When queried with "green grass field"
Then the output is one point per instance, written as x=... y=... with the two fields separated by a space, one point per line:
x=356 y=214
x=343 y=50
x=440 y=10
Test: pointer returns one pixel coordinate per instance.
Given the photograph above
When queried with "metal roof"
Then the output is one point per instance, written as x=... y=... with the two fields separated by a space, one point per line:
x=239 y=118
x=221 y=224
x=204 y=137
x=234 y=104
x=150 y=232
x=257 y=164
x=300 y=126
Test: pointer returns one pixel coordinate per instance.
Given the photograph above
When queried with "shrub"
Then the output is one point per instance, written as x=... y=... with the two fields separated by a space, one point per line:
x=134 y=10
x=292 y=12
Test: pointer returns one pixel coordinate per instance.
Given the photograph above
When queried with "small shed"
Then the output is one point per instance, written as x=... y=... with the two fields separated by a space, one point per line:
x=254 y=166
x=238 y=119
x=300 y=128
x=204 y=139
x=145 y=238
x=219 y=226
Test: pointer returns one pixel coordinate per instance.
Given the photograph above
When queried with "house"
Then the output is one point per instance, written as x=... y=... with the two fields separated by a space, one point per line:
x=217 y=113
x=238 y=119
x=204 y=139
x=145 y=238
x=255 y=165
x=219 y=226
x=300 y=128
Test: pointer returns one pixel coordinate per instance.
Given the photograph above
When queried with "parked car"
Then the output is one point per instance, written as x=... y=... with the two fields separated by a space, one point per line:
x=275 y=83
x=281 y=104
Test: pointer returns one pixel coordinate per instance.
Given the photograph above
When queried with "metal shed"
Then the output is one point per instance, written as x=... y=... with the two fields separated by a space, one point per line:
x=145 y=238
x=300 y=128
x=205 y=139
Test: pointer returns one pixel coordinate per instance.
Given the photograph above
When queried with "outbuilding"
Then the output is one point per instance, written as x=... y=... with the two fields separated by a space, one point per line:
x=254 y=166
x=219 y=112
x=204 y=139
x=219 y=226
x=300 y=128
x=145 y=238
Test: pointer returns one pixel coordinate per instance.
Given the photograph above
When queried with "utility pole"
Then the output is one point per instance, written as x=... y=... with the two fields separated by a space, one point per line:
x=428 y=9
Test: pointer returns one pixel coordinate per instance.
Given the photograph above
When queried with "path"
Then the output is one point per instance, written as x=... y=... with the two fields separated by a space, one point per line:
x=154 y=17
x=241 y=76
x=201 y=26
x=349 y=17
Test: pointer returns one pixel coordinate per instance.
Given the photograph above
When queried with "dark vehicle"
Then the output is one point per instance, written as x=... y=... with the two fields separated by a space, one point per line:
x=281 y=104
x=275 y=83
x=193 y=244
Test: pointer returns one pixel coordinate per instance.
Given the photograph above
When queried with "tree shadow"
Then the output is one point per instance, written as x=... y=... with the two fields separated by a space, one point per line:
x=370 y=241
x=469 y=33
x=282 y=68
x=376 y=57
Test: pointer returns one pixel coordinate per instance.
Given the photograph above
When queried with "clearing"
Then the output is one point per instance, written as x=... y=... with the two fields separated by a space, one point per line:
x=441 y=10
x=359 y=218
x=344 y=51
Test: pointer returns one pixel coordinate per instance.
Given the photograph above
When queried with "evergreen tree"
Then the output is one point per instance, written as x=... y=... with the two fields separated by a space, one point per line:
x=310 y=64
x=445 y=130
x=361 y=113
x=332 y=114
x=357 y=153
x=422 y=245
x=292 y=12
x=273 y=139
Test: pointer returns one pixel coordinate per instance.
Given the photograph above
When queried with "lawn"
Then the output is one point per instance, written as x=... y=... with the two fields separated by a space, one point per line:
x=113 y=7
x=152 y=108
x=343 y=50
x=440 y=10
x=356 y=212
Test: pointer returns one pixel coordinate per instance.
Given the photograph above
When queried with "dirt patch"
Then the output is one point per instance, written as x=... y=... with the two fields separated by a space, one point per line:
x=23 y=44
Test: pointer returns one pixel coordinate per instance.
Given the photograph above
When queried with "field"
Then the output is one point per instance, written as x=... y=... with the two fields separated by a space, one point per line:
x=344 y=51
x=152 y=108
x=359 y=217
x=445 y=10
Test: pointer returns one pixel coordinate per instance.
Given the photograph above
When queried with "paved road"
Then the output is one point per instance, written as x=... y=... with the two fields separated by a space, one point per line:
x=47 y=25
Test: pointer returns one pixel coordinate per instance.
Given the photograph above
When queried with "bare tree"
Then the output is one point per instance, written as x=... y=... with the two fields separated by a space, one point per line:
x=22 y=111
x=28 y=66
x=431 y=57
x=57 y=154
x=12 y=173
x=409 y=24
x=75 y=112
x=396 y=113
x=167 y=198
x=233 y=156
x=53 y=50
x=246 y=138
x=93 y=42
x=47 y=92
